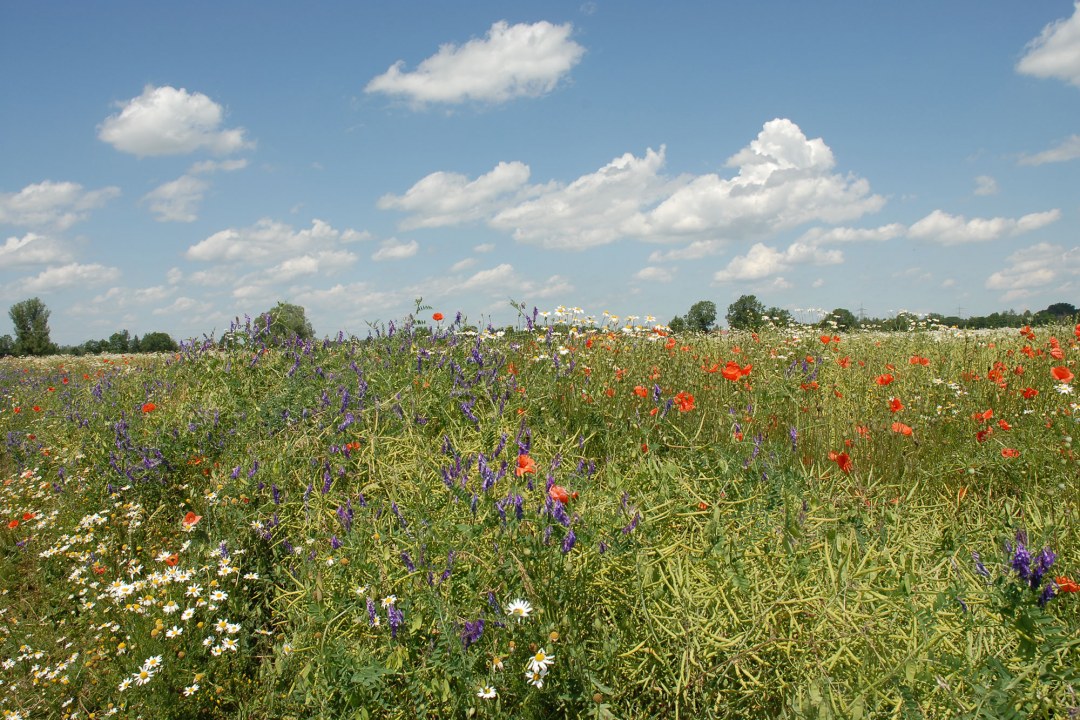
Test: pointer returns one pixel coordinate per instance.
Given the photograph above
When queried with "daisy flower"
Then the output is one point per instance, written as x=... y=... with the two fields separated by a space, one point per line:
x=191 y=689
x=519 y=608
x=486 y=691
x=541 y=661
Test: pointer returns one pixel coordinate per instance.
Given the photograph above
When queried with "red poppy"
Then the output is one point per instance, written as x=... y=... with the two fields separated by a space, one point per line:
x=1062 y=373
x=1030 y=393
x=844 y=362
x=640 y=391
x=28 y=516
x=843 y=461
x=190 y=519
x=1064 y=584
x=1057 y=353
x=1010 y=453
x=826 y=339
x=1004 y=425
x=149 y=407
x=985 y=415
x=172 y=560
x=525 y=464
x=983 y=434
x=558 y=493
x=684 y=401
x=899 y=427
x=437 y=316
x=895 y=405
x=919 y=360
x=18 y=410
x=13 y=524
x=37 y=408
x=884 y=379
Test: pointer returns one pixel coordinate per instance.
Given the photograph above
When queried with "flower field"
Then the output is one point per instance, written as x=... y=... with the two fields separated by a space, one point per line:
x=579 y=517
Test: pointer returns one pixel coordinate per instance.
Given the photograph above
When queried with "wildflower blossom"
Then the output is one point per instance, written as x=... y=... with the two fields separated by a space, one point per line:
x=519 y=608
x=486 y=692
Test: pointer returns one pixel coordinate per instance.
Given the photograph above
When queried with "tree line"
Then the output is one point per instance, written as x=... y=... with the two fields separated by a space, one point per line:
x=749 y=313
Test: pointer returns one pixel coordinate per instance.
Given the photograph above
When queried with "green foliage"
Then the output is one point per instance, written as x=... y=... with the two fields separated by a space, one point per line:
x=840 y=319
x=677 y=324
x=701 y=317
x=7 y=345
x=119 y=342
x=721 y=564
x=746 y=313
x=286 y=321
x=157 y=342
x=31 y=320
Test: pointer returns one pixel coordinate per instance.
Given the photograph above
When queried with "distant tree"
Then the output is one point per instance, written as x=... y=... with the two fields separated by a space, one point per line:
x=779 y=316
x=1061 y=309
x=844 y=319
x=119 y=342
x=157 y=342
x=31 y=320
x=287 y=321
x=135 y=345
x=677 y=324
x=746 y=313
x=7 y=346
x=702 y=316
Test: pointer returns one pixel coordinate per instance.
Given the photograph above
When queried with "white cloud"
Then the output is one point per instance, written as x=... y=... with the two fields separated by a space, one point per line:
x=655 y=274
x=394 y=249
x=820 y=282
x=31 y=249
x=783 y=180
x=512 y=61
x=326 y=262
x=821 y=236
x=1056 y=52
x=1041 y=267
x=184 y=304
x=267 y=241
x=484 y=247
x=444 y=198
x=55 y=204
x=167 y=121
x=61 y=276
x=948 y=229
x=762 y=261
x=174 y=275
x=780 y=284
x=596 y=209
x=1069 y=149
x=985 y=185
x=178 y=200
x=693 y=251
x=462 y=265
x=206 y=167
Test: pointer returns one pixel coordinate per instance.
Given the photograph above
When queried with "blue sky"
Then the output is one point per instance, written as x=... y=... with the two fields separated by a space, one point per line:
x=167 y=167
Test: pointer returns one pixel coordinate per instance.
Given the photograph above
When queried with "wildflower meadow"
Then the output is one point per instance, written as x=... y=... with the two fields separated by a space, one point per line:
x=574 y=517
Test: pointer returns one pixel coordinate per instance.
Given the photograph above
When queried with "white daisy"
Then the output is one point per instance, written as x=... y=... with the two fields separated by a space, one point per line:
x=519 y=608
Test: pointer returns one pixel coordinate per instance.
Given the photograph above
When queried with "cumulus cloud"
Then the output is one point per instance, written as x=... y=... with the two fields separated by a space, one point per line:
x=985 y=185
x=763 y=261
x=783 y=180
x=178 y=200
x=948 y=229
x=693 y=251
x=267 y=242
x=185 y=305
x=1039 y=268
x=821 y=236
x=1067 y=150
x=168 y=121
x=462 y=265
x=655 y=274
x=62 y=276
x=324 y=261
x=444 y=198
x=1056 y=52
x=52 y=204
x=31 y=249
x=596 y=209
x=394 y=249
x=511 y=61
x=206 y=167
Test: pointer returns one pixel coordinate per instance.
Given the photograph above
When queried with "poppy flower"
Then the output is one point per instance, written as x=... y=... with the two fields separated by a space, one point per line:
x=28 y=516
x=1030 y=393
x=899 y=427
x=13 y=524
x=172 y=560
x=985 y=415
x=843 y=461
x=684 y=401
x=641 y=391
x=844 y=362
x=37 y=408
x=525 y=464
x=826 y=339
x=558 y=493
x=1010 y=453
x=1057 y=353
x=884 y=379
x=437 y=316
x=895 y=405
x=1004 y=425
x=149 y=407
x=1064 y=584
x=1062 y=373
x=190 y=519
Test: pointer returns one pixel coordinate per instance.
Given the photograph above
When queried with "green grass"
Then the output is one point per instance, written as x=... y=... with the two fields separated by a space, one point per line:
x=712 y=560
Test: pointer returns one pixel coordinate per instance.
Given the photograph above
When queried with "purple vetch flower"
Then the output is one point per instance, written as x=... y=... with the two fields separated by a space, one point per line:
x=408 y=562
x=472 y=632
x=1043 y=561
x=568 y=541
x=449 y=567
x=334 y=542
x=793 y=433
x=396 y=618
x=275 y=493
x=633 y=524
x=1048 y=592
x=1021 y=562
x=547 y=535
x=401 y=519
x=254 y=469
x=372 y=616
